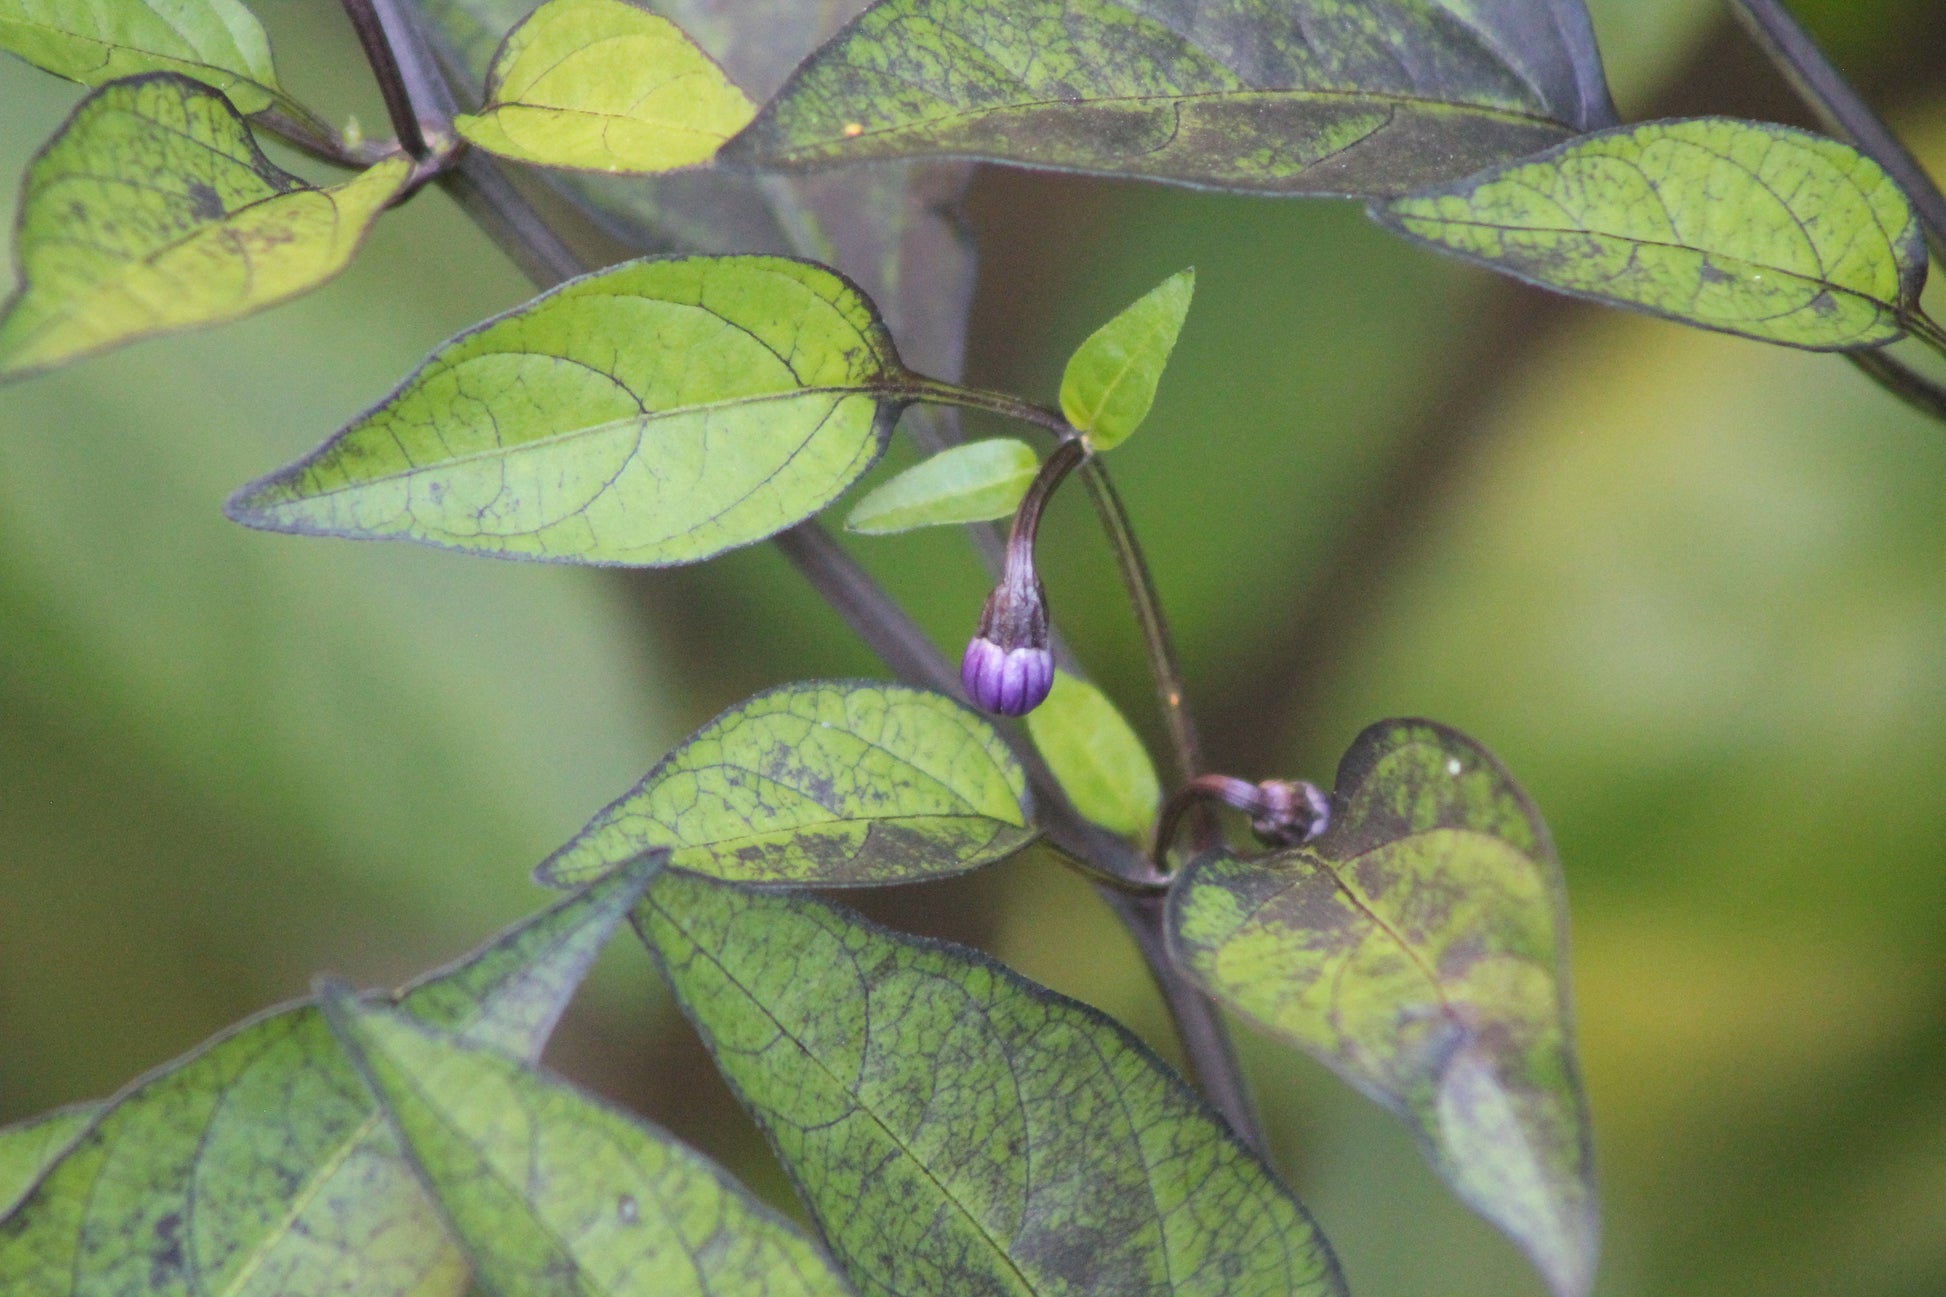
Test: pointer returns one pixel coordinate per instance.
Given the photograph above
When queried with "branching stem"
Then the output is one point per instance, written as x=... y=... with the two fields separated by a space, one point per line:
x=382 y=47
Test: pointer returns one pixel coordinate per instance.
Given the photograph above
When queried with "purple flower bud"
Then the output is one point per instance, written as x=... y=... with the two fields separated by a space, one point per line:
x=1011 y=682
x=1288 y=812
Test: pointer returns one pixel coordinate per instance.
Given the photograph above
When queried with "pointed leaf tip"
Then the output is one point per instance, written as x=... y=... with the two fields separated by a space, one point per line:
x=154 y=211
x=957 y=1129
x=217 y=42
x=602 y=85
x=749 y=393
x=1112 y=378
x=828 y=783
x=1763 y=231
x=1419 y=948
x=977 y=482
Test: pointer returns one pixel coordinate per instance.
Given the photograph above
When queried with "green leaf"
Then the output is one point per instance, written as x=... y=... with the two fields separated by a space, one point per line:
x=977 y=482
x=550 y=1192
x=1111 y=379
x=957 y=1129
x=601 y=85
x=1311 y=96
x=652 y=414
x=259 y=1166
x=1419 y=948
x=217 y=42
x=29 y=1148
x=832 y=783
x=1100 y=763
x=1742 y=227
x=154 y=211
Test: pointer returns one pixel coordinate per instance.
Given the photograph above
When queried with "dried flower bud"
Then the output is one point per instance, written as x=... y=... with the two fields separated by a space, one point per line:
x=1007 y=668
x=1286 y=812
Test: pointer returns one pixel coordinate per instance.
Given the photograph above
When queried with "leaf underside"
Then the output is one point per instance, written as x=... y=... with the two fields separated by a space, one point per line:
x=652 y=414
x=154 y=211
x=956 y=1129
x=550 y=1192
x=1314 y=96
x=218 y=42
x=977 y=482
x=259 y=1165
x=1419 y=948
x=601 y=85
x=1742 y=227
x=830 y=784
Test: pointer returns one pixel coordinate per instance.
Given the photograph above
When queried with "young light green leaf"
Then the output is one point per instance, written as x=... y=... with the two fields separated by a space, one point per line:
x=828 y=784
x=652 y=414
x=1742 y=227
x=1419 y=948
x=1312 y=96
x=154 y=211
x=1100 y=763
x=259 y=1166
x=1111 y=380
x=29 y=1148
x=957 y=1129
x=600 y=85
x=550 y=1192
x=217 y=42
x=977 y=482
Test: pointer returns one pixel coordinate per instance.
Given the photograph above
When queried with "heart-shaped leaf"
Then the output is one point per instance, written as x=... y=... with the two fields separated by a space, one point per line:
x=260 y=1166
x=29 y=1148
x=218 y=42
x=549 y=1191
x=957 y=1129
x=1742 y=227
x=977 y=482
x=1419 y=948
x=652 y=414
x=832 y=784
x=1111 y=379
x=154 y=211
x=1311 y=96
x=1100 y=763
x=601 y=85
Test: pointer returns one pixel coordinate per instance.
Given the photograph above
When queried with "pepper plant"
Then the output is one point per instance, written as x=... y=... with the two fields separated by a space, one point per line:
x=790 y=169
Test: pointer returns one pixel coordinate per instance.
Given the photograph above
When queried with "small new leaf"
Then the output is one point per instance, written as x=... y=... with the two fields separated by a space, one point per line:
x=260 y=1165
x=553 y=1194
x=1300 y=96
x=957 y=1129
x=1100 y=763
x=1419 y=948
x=977 y=482
x=656 y=413
x=829 y=784
x=1742 y=227
x=217 y=42
x=600 y=85
x=29 y=1148
x=154 y=211
x=1111 y=380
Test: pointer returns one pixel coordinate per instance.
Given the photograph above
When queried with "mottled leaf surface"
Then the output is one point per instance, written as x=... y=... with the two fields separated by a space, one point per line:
x=1100 y=763
x=1743 y=227
x=956 y=1129
x=652 y=414
x=831 y=783
x=153 y=211
x=551 y=1192
x=894 y=229
x=1278 y=96
x=30 y=1147
x=218 y=42
x=977 y=482
x=1111 y=379
x=259 y=1166
x=1419 y=947
x=601 y=85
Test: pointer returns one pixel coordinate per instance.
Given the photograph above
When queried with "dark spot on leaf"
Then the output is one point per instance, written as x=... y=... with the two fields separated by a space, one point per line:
x=205 y=201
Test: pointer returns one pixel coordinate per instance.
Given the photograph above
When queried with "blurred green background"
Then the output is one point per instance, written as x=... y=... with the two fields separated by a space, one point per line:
x=1692 y=590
